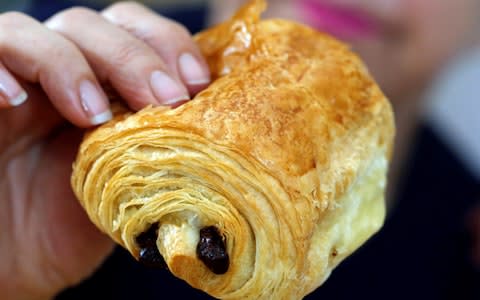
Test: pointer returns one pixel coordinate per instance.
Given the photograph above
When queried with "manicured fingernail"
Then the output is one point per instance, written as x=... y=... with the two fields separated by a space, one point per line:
x=9 y=87
x=192 y=71
x=19 y=99
x=101 y=118
x=95 y=103
x=166 y=89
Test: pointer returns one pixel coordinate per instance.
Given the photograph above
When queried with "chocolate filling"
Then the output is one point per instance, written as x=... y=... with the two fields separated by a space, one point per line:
x=149 y=254
x=211 y=250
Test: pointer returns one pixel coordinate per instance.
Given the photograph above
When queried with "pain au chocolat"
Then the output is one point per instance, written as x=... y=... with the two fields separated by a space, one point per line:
x=265 y=181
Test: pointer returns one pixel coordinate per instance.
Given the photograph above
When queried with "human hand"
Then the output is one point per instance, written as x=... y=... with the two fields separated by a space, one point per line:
x=47 y=242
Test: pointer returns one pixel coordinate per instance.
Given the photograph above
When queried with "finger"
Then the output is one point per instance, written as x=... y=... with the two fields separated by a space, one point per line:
x=169 y=39
x=132 y=67
x=11 y=93
x=34 y=53
x=70 y=243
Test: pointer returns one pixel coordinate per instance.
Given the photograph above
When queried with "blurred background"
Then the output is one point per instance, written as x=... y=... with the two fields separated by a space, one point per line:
x=428 y=247
x=453 y=107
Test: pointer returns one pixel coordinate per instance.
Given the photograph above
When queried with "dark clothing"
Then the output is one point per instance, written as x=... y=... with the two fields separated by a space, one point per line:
x=421 y=252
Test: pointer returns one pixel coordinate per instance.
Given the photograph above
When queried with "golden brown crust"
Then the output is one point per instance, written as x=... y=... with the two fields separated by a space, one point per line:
x=272 y=153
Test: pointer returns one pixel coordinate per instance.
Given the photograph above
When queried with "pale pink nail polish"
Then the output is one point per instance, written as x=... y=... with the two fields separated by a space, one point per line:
x=167 y=90
x=94 y=103
x=192 y=71
x=9 y=87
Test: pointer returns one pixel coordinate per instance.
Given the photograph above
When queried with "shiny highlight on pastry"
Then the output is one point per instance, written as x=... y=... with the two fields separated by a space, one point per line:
x=286 y=153
x=211 y=250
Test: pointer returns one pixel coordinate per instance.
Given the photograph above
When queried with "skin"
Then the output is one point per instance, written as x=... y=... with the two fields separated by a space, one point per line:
x=47 y=242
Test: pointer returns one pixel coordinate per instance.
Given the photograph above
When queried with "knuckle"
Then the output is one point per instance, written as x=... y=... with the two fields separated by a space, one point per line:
x=168 y=30
x=180 y=30
x=65 y=54
x=13 y=20
x=127 y=52
x=73 y=15
x=122 y=6
x=79 y=12
x=13 y=24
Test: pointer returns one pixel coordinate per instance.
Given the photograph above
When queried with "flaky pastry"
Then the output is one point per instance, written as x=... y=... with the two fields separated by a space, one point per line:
x=265 y=181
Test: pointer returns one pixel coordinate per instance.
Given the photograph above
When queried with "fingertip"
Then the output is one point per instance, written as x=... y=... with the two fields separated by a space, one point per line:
x=94 y=103
x=11 y=91
x=196 y=88
x=166 y=89
x=18 y=100
x=101 y=118
x=10 y=102
x=179 y=103
x=194 y=71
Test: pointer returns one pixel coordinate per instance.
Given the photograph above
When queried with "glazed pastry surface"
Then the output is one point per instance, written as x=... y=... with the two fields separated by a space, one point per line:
x=281 y=162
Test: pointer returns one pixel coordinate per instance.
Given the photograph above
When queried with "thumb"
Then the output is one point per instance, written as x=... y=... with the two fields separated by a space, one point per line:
x=73 y=246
